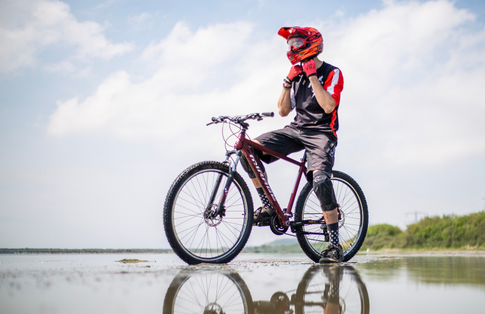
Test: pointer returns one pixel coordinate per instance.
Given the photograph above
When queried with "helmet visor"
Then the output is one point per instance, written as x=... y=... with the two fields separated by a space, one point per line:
x=295 y=43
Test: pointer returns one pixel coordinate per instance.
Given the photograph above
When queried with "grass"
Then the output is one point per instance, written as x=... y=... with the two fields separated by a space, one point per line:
x=446 y=232
x=449 y=232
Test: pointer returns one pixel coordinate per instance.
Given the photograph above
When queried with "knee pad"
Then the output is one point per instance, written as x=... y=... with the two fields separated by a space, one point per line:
x=322 y=185
x=247 y=167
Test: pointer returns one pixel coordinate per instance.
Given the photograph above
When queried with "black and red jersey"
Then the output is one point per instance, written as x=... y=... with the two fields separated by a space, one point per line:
x=309 y=114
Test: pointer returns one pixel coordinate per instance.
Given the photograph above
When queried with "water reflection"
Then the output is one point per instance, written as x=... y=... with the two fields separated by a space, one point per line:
x=328 y=289
x=207 y=291
x=448 y=270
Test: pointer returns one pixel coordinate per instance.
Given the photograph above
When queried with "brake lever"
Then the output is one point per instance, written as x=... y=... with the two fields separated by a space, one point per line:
x=214 y=121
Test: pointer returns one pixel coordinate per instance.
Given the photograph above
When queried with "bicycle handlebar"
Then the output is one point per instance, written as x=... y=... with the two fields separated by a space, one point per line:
x=240 y=119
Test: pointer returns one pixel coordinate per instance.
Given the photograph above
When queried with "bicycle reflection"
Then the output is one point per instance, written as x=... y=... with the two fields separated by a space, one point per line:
x=328 y=289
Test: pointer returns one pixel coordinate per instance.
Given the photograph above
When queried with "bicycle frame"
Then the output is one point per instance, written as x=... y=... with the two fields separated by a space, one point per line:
x=243 y=144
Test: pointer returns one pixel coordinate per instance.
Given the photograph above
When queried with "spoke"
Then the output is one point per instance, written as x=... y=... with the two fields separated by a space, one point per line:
x=196 y=227
x=183 y=215
x=221 y=238
x=234 y=231
x=192 y=189
x=187 y=195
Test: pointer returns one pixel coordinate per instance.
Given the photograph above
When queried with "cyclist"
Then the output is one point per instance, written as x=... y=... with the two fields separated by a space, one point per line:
x=313 y=87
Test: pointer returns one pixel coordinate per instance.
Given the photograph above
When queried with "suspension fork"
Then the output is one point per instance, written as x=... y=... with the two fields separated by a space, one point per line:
x=220 y=211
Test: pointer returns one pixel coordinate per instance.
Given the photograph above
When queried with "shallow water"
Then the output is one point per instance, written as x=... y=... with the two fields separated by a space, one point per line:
x=252 y=283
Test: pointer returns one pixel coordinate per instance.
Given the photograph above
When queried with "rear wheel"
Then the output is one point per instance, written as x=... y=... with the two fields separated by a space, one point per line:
x=352 y=225
x=194 y=232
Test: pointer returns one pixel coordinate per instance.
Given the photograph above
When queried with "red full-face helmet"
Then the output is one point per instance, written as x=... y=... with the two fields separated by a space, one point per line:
x=303 y=42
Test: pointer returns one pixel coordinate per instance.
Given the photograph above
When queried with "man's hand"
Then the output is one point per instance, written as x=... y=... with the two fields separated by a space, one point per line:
x=310 y=68
x=294 y=72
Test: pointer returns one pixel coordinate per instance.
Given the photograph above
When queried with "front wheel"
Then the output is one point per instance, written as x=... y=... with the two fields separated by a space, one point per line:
x=194 y=232
x=352 y=225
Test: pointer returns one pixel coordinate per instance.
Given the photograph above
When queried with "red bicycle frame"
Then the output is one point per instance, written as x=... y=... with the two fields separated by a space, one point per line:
x=244 y=144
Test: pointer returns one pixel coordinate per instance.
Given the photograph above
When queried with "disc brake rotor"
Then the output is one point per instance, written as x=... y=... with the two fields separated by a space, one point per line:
x=210 y=219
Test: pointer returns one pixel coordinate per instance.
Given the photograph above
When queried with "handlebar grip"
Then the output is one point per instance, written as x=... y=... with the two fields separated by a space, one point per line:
x=267 y=114
x=214 y=121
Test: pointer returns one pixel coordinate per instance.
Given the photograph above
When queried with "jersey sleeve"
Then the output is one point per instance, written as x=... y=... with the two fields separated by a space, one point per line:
x=334 y=85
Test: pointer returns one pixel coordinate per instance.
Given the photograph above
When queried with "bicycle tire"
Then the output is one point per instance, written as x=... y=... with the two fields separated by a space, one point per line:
x=209 y=291
x=196 y=238
x=352 y=226
x=353 y=295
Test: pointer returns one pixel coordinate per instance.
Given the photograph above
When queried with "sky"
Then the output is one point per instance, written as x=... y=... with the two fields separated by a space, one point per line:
x=104 y=103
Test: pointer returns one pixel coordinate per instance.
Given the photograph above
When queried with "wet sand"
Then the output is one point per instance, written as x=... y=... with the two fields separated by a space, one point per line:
x=91 y=283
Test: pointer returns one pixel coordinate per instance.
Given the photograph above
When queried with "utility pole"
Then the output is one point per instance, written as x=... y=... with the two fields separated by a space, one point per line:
x=415 y=213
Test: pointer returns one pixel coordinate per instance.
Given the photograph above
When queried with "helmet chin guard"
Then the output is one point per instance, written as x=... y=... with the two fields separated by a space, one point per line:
x=308 y=45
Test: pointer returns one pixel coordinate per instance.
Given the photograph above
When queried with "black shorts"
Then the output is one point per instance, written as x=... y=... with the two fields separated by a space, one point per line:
x=320 y=146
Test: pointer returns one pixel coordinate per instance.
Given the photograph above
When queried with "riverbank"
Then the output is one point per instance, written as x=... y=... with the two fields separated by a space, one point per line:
x=80 y=251
x=264 y=249
x=448 y=232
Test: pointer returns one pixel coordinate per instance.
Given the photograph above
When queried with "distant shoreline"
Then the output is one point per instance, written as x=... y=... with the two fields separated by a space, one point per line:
x=283 y=249
x=81 y=251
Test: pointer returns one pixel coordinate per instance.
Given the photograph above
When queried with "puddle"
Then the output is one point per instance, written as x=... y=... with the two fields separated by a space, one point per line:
x=252 y=283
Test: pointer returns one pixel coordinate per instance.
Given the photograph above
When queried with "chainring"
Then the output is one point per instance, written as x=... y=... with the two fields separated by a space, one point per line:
x=276 y=225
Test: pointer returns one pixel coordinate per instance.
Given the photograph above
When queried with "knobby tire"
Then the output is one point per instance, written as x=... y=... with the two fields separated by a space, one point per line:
x=193 y=236
x=352 y=227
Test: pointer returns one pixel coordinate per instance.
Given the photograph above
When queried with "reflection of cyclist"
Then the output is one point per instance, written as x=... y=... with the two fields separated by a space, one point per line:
x=319 y=292
x=312 y=87
x=334 y=274
x=329 y=300
x=219 y=290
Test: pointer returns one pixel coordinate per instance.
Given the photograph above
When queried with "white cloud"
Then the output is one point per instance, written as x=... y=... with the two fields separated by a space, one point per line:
x=205 y=48
x=413 y=78
x=34 y=26
x=413 y=74
x=141 y=21
x=63 y=67
x=174 y=98
x=104 y=5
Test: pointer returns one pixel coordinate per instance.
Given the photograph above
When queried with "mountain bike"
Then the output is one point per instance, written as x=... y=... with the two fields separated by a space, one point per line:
x=208 y=211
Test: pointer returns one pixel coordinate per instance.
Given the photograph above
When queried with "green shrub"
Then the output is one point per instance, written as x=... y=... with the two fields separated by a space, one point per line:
x=448 y=231
x=382 y=236
x=383 y=229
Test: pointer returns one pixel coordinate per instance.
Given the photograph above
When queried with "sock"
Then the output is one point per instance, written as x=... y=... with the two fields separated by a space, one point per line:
x=263 y=198
x=333 y=294
x=333 y=233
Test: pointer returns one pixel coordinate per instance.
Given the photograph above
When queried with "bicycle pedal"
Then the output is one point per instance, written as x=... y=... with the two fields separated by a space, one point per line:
x=261 y=223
